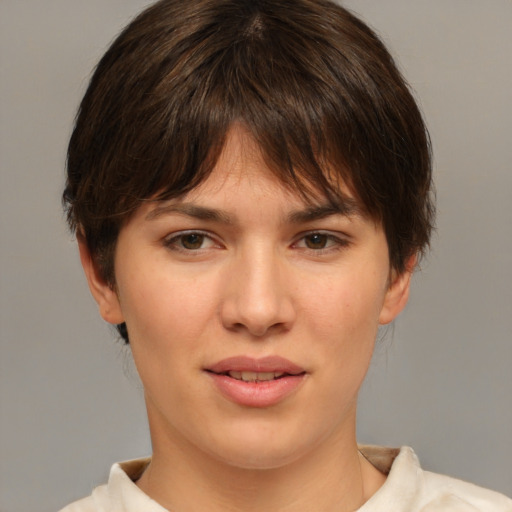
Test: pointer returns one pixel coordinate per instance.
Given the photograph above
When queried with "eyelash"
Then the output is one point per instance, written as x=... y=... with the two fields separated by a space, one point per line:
x=173 y=240
x=335 y=243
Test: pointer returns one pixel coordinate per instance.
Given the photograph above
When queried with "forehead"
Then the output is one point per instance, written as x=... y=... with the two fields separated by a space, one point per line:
x=242 y=174
x=242 y=161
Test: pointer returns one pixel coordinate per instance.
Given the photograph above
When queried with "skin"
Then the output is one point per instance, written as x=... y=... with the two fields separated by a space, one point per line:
x=313 y=291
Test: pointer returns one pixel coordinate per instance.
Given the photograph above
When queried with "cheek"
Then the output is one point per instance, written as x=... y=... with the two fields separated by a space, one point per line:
x=347 y=307
x=167 y=319
x=344 y=325
x=161 y=307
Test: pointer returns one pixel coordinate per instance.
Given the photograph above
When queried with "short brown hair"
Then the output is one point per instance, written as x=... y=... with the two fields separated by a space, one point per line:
x=310 y=81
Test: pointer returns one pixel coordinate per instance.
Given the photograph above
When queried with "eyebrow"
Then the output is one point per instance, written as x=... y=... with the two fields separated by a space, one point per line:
x=191 y=210
x=346 y=207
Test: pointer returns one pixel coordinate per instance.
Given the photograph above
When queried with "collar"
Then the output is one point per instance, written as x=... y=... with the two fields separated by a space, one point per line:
x=399 y=492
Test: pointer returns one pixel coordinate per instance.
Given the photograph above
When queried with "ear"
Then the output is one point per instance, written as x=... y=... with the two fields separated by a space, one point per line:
x=104 y=294
x=397 y=294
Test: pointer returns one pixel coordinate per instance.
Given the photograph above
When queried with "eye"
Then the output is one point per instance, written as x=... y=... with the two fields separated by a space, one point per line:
x=192 y=241
x=319 y=241
x=316 y=241
x=189 y=241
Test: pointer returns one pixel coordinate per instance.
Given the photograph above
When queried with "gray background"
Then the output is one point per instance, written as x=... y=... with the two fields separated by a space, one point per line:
x=70 y=403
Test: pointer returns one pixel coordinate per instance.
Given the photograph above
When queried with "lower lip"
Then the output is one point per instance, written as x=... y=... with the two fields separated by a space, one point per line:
x=257 y=394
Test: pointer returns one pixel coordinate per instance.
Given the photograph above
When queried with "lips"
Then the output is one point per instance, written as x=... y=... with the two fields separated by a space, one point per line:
x=256 y=382
x=255 y=376
x=262 y=365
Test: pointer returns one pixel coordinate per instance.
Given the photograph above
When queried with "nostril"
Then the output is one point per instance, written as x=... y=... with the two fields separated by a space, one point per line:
x=258 y=310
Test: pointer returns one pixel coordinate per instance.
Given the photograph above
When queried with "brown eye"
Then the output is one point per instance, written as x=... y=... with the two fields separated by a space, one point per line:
x=192 y=241
x=316 y=241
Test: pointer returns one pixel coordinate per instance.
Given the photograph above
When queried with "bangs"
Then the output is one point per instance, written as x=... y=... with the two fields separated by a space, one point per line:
x=289 y=119
x=312 y=84
x=289 y=94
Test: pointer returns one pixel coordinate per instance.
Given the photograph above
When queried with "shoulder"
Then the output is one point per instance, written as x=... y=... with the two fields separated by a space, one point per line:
x=120 y=494
x=441 y=492
x=89 y=504
x=409 y=488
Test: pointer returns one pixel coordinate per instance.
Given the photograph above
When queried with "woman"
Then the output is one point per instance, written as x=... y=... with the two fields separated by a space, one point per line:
x=250 y=184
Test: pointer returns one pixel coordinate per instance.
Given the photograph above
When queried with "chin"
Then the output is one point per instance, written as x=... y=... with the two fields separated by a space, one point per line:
x=258 y=459
x=259 y=450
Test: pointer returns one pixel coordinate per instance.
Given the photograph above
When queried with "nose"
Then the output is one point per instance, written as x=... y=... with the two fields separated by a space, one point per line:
x=258 y=298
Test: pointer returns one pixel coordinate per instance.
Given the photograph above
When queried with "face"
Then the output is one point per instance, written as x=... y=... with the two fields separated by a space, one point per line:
x=252 y=315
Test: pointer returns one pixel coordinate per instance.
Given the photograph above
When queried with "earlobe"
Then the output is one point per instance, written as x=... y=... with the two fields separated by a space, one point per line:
x=397 y=293
x=104 y=294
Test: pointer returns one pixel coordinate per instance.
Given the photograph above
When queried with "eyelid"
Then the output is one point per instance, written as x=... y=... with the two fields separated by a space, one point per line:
x=341 y=240
x=169 y=240
x=338 y=240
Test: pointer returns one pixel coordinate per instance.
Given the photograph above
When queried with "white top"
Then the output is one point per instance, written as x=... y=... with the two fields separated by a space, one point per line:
x=407 y=489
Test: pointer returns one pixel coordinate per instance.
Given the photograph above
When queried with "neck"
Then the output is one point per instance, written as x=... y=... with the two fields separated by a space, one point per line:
x=332 y=478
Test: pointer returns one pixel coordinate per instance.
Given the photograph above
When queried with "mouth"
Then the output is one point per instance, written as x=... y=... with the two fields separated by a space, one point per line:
x=250 y=376
x=250 y=369
x=253 y=382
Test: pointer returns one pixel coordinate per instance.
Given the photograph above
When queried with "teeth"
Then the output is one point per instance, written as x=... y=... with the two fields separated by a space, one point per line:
x=255 y=376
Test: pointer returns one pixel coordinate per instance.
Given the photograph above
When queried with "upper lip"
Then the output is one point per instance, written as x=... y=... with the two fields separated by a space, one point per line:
x=258 y=365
